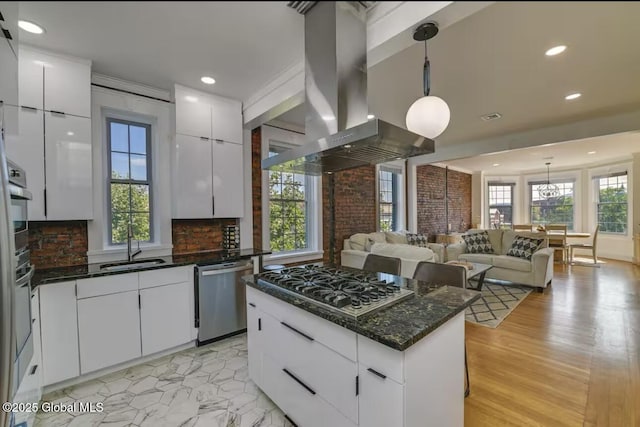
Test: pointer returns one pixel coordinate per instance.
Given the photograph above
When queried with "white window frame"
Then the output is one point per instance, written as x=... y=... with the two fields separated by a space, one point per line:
x=563 y=176
x=592 y=203
x=272 y=136
x=490 y=183
x=397 y=167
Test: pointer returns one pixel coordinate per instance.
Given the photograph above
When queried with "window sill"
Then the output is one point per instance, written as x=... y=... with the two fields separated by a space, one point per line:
x=291 y=257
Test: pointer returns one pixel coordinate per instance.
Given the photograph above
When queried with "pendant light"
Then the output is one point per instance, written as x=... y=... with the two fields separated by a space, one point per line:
x=428 y=116
x=548 y=190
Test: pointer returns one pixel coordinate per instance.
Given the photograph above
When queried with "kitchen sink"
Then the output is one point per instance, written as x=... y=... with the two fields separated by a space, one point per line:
x=131 y=265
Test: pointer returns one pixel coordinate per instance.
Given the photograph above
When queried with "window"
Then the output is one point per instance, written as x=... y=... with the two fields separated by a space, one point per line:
x=500 y=205
x=288 y=210
x=554 y=210
x=612 y=205
x=129 y=192
x=388 y=199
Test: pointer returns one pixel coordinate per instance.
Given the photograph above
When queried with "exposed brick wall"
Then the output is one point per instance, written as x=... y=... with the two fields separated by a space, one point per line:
x=256 y=184
x=58 y=243
x=355 y=206
x=431 y=200
x=194 y=235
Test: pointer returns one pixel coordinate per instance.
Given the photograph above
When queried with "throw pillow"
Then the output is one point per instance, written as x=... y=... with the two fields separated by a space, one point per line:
x=524 y=247
x=478 y=243
x=417 y=240
x=367 y=245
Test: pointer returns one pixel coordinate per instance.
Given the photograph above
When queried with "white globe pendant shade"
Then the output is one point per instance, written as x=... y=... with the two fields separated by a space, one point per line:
x=428 y=116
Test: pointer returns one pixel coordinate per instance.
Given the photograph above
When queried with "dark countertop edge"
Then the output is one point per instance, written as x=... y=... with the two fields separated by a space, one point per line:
x=352 y=324
x=207 y=258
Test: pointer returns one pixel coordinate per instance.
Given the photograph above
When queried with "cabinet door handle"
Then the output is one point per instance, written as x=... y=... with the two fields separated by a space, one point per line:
x=219 y=141
x=213 y=204
x=259 y=323
x=204 y=138
x=297 y=331
x=26 y=107
x=309 y=389
x=139 y=301
x=45 y=202
x=357 y=385
x=7 y=34
x=58 y=113
x=374 y=372
x=33 y=370
x=252 y=304
x=290 y=421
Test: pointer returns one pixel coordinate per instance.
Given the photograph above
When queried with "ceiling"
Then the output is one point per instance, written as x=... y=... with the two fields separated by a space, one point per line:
x=159 y=43
x=605 y=149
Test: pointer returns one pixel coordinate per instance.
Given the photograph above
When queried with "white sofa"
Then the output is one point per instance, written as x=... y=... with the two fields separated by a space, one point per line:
x=391 y=244
x=536 y=272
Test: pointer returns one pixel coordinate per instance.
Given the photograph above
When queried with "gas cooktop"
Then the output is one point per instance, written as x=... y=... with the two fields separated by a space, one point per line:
x=353 y=293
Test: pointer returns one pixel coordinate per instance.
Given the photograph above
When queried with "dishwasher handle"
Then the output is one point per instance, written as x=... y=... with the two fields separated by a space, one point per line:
x=225 y=270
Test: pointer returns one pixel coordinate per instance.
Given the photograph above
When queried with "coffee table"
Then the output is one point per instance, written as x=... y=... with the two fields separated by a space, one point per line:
x=477 y=274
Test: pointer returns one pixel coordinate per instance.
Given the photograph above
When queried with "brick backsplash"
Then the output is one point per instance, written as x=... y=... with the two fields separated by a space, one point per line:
x=195 y=235
x=58 y=243
x=256 y=185
x=431 y=200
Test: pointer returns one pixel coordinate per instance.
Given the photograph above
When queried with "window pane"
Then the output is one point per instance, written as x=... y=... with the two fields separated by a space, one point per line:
x=119 y=223
x=140 y=198
x=120 y=198
x=119 y=166
x=138 y=167
x=140 y=223
x=138 y=135
x=119 y=137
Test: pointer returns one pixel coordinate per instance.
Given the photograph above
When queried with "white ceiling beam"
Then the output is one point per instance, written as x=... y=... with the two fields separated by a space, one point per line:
x=589 y=128
x=390 y=28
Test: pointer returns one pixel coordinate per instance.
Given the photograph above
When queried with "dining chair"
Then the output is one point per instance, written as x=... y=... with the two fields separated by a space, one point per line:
x=382 y=264
x=557 y=239
x=449 y=275
x=522 y=227
x=592 y=246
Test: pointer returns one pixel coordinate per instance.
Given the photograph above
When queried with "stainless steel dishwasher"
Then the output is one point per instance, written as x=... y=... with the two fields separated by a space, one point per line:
x=220 y=300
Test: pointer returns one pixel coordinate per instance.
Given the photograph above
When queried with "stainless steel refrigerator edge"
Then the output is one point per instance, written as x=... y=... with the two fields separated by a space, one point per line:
x=220 y=300
x=7 y=297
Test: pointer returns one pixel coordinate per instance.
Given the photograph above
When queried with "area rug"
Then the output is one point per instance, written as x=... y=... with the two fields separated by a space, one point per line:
x=496 y=303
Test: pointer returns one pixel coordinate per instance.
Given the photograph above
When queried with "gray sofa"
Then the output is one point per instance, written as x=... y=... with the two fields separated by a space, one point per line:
x=536 y=272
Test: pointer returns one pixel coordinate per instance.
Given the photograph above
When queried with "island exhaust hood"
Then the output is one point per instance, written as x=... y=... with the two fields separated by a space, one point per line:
x=338 y=132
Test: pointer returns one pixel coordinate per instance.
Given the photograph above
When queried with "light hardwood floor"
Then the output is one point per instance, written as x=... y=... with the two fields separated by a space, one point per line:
x=568 y=357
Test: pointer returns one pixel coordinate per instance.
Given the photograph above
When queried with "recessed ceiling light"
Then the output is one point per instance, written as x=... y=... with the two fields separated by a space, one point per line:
x=573 y=96
x=30 y=27
x=591 y=152
x=70 y=133
x=491 y=116
x=208 y=80
x=370 y=116
x=496 y=164
x=328 y=118
x=556 y=50
x=191 y=98
x=347 y=146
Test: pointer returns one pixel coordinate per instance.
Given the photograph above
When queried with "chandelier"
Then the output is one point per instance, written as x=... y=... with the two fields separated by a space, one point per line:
x=548 y=190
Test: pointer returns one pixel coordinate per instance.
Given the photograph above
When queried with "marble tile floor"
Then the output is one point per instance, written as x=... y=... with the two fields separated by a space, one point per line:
x=207 y=386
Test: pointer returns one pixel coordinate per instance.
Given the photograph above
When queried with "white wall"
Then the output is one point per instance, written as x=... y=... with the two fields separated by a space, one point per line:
x=612 y=246
x=159 y=114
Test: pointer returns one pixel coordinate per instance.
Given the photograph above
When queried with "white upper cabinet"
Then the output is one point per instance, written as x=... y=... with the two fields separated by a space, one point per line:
x=8 y=52
x=192 y=179
x=69 y=178
x=67 y=86
x=226 y=120
x=193 y=113
x=31 y=89
x=228 y=183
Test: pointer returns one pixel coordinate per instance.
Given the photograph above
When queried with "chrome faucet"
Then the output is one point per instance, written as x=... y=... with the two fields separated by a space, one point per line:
x=130 y=255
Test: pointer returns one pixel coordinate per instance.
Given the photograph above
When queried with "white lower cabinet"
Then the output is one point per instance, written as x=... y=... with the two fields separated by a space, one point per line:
x=381 y=399
x=254 y=342
x=164 y=317
x=59 y=332
x=109 y=330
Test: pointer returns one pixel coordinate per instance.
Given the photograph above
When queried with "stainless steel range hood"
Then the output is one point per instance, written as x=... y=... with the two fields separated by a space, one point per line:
x=339 y=135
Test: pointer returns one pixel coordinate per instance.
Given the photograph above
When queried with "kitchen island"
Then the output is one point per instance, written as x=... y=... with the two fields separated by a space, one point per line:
x=400 y=365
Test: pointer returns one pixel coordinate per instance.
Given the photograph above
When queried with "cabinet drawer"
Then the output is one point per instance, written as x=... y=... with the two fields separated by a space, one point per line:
x=331 y=375
x=165 y=276
x=331 y=335
x=107 y=285
x=299 y=404
x=381 y=358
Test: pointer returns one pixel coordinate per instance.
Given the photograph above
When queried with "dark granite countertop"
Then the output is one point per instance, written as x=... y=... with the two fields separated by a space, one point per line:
x=84 y=271
x=398 y=326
